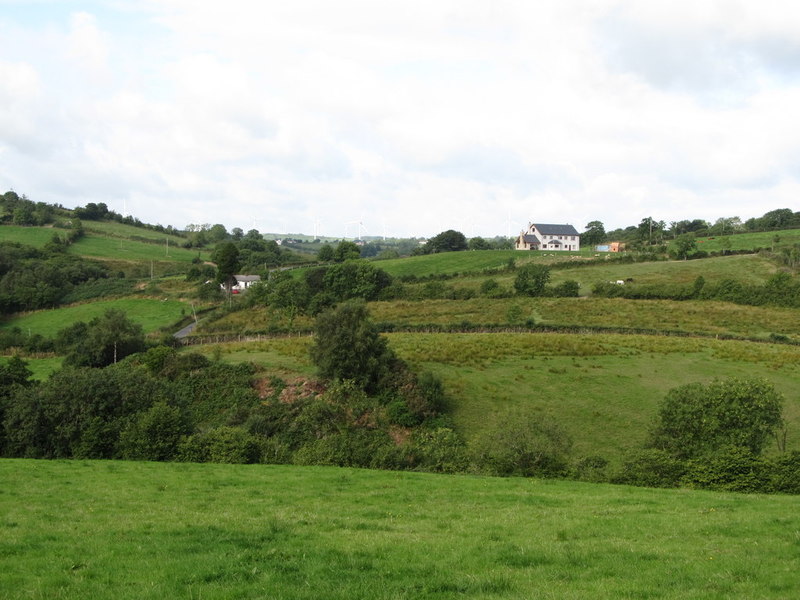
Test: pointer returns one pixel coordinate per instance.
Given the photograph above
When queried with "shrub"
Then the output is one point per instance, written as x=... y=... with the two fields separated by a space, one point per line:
x=729 y=468
x=523 y=444
x=785 y=476
x=532 y=279
x=651 y=467
x=155 y=433
x=567 y=289
x=221 y=445
x=696 y=419
x=350 y=448
x=591 y=468
x=439 y=450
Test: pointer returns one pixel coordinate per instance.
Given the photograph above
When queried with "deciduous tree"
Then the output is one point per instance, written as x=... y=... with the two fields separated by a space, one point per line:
x=532 y=279
x=347 y=345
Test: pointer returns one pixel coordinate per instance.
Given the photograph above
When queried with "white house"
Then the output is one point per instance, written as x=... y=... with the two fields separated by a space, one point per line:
x=243 y=282
x=543 y=236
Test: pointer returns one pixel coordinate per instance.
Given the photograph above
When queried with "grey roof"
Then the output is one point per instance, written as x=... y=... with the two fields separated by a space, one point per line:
x=531 y=239
x=548 y=229
x=245 y=278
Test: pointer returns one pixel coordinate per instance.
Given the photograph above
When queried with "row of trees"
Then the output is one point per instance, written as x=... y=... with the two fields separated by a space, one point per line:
x=651 y=231
x=446 y=241
x=19 y=210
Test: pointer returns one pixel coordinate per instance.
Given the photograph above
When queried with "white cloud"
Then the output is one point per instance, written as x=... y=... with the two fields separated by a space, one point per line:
x=418 y=115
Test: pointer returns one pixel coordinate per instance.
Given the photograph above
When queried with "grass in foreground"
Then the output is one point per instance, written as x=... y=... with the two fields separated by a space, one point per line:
x=122 y=530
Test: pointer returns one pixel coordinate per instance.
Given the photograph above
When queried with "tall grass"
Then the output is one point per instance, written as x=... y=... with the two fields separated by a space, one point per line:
x=706 y=317
x=125 y=530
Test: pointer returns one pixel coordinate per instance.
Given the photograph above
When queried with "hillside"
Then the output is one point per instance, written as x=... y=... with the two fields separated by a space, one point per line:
x=596 y=366
x=603 y=389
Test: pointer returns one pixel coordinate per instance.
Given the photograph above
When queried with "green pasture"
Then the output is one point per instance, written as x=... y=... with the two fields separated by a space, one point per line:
x=41 y=368
x=150 y=313
x=94 y=246
x=603 y=389
x=748 y=268
x=120 y=230
x=750 y=241
x=127 y=530
x=471 y=261
x=32 y=236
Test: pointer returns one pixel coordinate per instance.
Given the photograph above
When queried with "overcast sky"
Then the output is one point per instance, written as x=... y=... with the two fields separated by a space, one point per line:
x=409 y=116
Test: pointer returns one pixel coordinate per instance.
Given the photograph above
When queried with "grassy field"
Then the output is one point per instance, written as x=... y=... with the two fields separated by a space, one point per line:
x=750 y=241
x=94 y=246
x=150 y=313
x=603 y=389
x=472 y=260
x=127 y=530
x=40 y=367
x=109 y=241
x=749 y=268
x=120 y=230
x=32 y=236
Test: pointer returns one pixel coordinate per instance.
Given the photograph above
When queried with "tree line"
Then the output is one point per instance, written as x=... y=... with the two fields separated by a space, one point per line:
x=652 y=231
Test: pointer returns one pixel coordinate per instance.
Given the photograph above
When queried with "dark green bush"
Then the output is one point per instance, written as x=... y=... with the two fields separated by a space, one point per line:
x=651 y=467
x=221 y=445
x=439 y=450
x=785 y=476
x=524 y=444
x=154 y=434
x=729 y=468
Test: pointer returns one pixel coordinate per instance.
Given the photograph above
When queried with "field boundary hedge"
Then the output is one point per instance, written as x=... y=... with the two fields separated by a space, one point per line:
x=194 y=340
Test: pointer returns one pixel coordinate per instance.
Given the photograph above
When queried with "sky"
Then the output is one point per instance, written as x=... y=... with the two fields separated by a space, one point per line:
x=403 y=118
